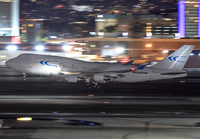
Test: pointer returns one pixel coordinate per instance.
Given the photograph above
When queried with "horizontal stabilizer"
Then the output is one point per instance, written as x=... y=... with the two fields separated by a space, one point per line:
x=141 y=67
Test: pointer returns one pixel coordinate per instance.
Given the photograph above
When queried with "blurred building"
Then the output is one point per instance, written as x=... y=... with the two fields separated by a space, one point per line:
x=9 y=17
x=137 y=26
x=31 y=31
x=188 y=18
x=146 y=49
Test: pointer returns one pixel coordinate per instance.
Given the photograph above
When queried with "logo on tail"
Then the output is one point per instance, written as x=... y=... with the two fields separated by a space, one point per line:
x=176 y=58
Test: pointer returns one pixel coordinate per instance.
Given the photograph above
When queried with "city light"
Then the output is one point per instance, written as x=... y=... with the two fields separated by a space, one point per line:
x=125 y=34
x=165 y=51
x=100 y=20
x=53 y=37
x=120 y=50
x=199 y=19
x=16 y=40
x=99 y=16
x=11 y=47
x=39 y=47
x=101 y=34
x=181 y=18
x=93 y=33
x=148 y=45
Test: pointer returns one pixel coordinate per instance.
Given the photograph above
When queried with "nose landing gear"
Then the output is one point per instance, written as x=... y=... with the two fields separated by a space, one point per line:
x=24 y=77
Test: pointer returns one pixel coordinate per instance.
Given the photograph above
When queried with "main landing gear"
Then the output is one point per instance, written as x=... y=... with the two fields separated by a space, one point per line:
x=91 y=83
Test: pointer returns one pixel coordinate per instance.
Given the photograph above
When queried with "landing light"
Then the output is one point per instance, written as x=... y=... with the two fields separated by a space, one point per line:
x=191 y=54
x=39 y=47
x=67 y=47
x=11 y=47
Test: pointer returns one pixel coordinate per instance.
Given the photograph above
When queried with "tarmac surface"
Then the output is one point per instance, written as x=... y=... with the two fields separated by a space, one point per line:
x=110 y=128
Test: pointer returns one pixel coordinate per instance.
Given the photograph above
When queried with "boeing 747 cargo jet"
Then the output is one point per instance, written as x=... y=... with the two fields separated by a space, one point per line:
x=93 y=72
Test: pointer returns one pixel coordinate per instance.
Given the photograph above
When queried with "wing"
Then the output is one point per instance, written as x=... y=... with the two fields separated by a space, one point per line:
x=97 y=77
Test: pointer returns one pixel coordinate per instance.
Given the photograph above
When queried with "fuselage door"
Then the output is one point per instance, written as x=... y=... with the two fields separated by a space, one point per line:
x=30 y=64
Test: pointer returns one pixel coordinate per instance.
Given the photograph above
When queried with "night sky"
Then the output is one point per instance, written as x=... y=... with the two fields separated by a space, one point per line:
x=167 y=4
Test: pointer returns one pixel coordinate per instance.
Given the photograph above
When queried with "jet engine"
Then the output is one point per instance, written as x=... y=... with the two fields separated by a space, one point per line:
x=74 y=79
x=101 y=78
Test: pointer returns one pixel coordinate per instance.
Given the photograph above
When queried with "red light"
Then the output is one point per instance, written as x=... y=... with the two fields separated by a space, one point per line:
x=15 y=40
x=59 y=6
x=132 y=69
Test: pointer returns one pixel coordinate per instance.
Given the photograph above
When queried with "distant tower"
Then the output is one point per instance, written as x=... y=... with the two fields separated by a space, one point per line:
x=15 y=18
x=189 y=18
x=70 y=3
x=9 y=17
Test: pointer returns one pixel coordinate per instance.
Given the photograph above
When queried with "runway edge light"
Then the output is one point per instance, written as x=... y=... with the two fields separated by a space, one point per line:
x=24 y=119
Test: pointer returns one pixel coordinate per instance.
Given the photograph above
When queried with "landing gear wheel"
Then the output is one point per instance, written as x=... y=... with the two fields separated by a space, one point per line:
x=24 y=77
x=92 y=84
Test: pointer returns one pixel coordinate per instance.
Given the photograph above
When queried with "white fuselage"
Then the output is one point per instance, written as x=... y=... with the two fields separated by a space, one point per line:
x=48 y=65
x=73 y=69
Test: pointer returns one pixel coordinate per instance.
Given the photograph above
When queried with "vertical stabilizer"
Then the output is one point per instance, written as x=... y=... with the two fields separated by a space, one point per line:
x=177 y=60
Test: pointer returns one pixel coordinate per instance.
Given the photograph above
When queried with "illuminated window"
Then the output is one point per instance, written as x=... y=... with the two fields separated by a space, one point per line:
x=92 y=45
x=24 y=31
x=37 y=26
x=30 y=25
x=148 y=45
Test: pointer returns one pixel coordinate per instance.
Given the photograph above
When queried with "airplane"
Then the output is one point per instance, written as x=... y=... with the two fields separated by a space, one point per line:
x=94 y=73
x=72 y=69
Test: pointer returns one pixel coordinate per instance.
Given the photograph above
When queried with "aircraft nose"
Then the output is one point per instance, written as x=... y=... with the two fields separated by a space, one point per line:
x=9 y=63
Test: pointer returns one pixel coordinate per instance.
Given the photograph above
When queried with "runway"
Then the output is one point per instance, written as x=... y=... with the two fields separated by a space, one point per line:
x=100 y=100
x=60 y=110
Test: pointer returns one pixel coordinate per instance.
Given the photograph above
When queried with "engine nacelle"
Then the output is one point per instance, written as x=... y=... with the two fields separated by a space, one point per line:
x=101 y=78
x=73 y=79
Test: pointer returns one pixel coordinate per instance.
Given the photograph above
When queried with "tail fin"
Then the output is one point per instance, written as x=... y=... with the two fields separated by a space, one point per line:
x=177 y=60
x=129 y=63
